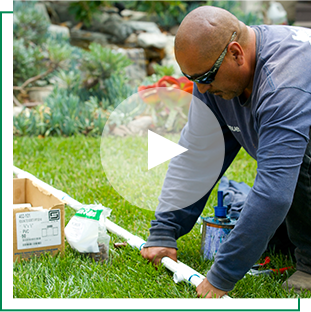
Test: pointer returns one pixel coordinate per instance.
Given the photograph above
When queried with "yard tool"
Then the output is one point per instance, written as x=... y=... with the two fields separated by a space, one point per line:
x=255 y=269
x=181 y=271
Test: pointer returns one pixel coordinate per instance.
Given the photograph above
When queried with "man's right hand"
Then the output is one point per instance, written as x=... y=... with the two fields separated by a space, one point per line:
x=155 y=254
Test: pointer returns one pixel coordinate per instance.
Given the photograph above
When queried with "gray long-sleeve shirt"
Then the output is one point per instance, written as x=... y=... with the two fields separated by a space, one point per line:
x=273 y=126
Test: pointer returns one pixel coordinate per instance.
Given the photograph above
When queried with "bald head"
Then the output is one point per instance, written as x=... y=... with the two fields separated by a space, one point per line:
x=207 y=30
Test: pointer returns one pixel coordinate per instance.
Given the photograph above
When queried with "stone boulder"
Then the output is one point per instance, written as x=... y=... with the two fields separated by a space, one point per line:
x=18 y=109
x=39 y=94
x=140 y=125
x=138 y=26
x=56 y=30
x=137 y=70
x=157 y=40
x=83 y=38
x=169 y=59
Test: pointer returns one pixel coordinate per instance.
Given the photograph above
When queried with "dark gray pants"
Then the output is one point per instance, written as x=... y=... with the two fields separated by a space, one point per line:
x=294 y=234
x=298 y=220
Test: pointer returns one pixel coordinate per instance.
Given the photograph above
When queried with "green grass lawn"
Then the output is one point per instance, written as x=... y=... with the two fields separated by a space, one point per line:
x=73 y=165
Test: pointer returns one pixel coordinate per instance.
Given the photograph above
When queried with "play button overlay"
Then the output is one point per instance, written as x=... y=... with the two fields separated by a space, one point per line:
x=161 y=149
x=141 y=144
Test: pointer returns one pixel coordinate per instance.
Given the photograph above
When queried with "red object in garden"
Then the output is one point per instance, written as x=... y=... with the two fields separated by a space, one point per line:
x=149 y=94
x=168 y=81
x=254 y=270
x=164 y=90
x=185 y=84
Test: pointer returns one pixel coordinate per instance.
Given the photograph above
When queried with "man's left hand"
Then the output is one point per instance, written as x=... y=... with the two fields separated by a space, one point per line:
x=207 y=290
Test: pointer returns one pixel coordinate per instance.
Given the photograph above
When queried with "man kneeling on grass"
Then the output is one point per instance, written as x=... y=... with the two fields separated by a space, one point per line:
x=256 y=81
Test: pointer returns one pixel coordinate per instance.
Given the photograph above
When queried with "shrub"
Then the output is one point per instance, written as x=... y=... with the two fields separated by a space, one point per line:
x=35 y=53
x=27 y=61
x=117 y=89
x=63 y=114
x=99 y=63
x=29 y=24
x=86 y=82
x=85 y=11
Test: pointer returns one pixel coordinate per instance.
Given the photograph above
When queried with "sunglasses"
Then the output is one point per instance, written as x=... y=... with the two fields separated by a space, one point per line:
x=209 y=76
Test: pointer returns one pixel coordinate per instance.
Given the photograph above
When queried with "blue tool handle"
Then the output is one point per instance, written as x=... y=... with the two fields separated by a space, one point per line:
x=220 y=199
x=220 y=210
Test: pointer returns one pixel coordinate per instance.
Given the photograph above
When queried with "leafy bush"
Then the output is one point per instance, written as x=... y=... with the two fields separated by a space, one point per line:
x=174 y=14
x=84 y=11
x=27 y=61
x=170 y=13
x=35 y=52
x=99 y=63
x=29 y=24
x=63 y=114
x=157 y=7
x=117 y=89
x=161 y=70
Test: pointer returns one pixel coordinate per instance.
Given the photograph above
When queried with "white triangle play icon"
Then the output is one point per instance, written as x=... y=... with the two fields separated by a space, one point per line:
x=161 y=149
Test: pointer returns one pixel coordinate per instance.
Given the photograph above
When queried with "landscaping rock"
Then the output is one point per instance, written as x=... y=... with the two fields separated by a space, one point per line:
x=18 y=109
x=98 y=21
x=139 y=16
x=169 y=58
x=41 y=8
x=137 y=126
x=59 y=30
x=83 y=38
x=39 y=94
x=154 y=54
x=146 y=40
x=173 y=30
x=131 y=40
x=140 y=125
x=121 y=131
x=61 y=12
x=148 y=27
x=137 y=70
x=118 y=29
x=134 y=15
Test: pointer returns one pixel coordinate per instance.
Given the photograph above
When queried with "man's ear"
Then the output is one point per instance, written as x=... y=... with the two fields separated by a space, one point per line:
x=237 y=52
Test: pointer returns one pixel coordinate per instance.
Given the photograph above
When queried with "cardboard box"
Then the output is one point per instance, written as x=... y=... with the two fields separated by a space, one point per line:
x=37 y=230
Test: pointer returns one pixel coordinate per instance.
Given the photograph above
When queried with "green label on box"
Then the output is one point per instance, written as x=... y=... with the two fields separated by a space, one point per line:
x=89 y=213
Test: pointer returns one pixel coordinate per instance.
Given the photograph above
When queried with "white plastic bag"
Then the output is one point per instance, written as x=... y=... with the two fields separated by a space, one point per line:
x=85 y=233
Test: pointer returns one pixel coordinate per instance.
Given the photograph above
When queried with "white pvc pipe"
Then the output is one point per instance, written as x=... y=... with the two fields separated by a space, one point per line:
x=181 y=271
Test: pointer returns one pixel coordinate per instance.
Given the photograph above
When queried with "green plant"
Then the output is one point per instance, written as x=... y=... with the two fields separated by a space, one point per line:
x=71 y=79
x=100 y=63
x=161 y=70
x=27 y=61
x=174 y=14
x=29 y=23
x=117 y=89
x=58 y=53
x=36 y=55
x=85 y=11
x=156 y=6
x=55 y=55
x=63 y=114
